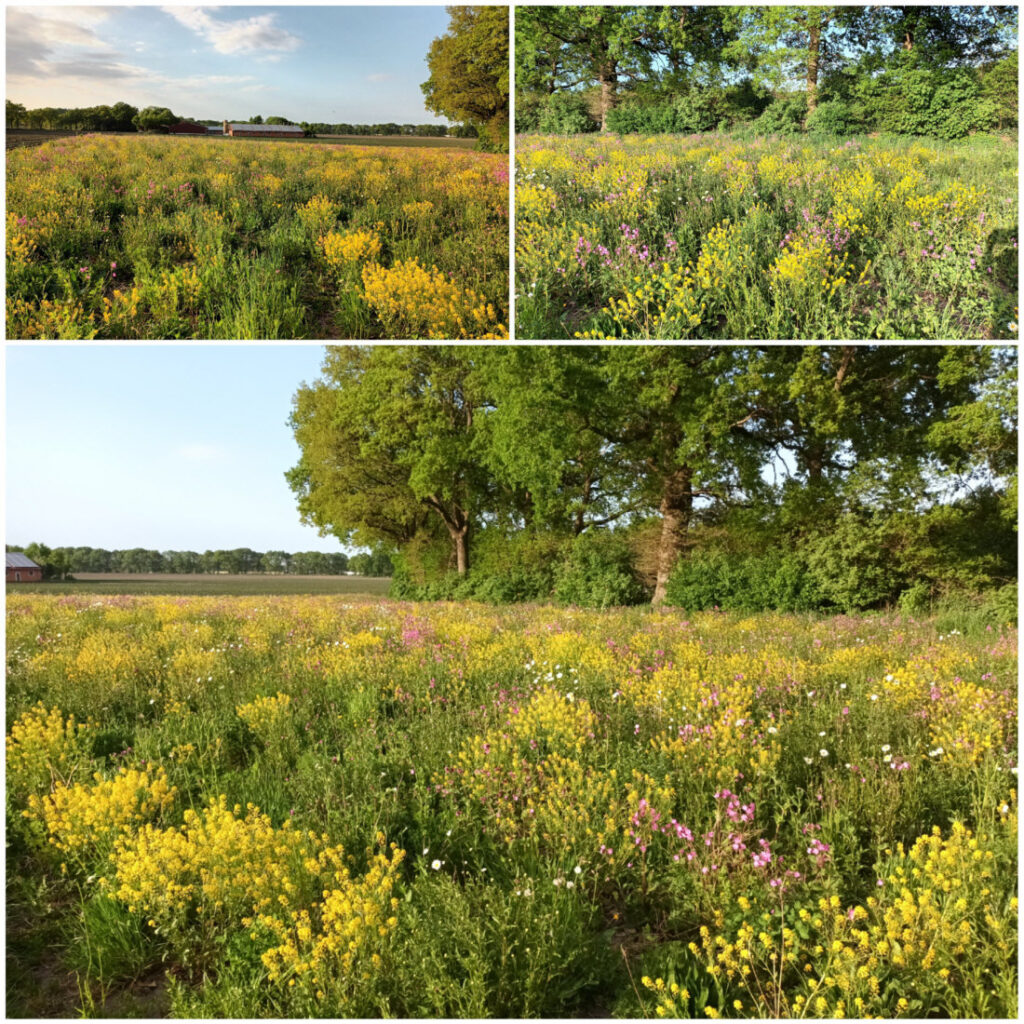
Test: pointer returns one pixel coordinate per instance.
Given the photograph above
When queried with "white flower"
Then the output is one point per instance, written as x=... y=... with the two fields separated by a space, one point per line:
x=886 y=748
x=436 y=865
x=842 y=686
x=873 y=696
x=559 y=881
x=426 y=850
x=823 y=752
x=808 y=760
x=577 y=870
x=570 y=885
x=821 y=734
x=1004 y=809
x=887 y=758
x=772 y=730
x=889 y=678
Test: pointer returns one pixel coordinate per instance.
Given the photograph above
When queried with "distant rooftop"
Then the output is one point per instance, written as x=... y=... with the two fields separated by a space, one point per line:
x=17 y=560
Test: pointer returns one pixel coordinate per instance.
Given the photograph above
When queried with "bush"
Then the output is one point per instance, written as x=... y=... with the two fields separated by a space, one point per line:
x=783 y=117
x=744 y=582
x=687 y=113
x=565 y=113
x=833 y=117
x=598 y=573
x=912 y=99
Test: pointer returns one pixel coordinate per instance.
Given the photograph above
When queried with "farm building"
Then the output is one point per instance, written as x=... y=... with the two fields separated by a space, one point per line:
x=21 y=568
x=263 y=131
x=187 y=128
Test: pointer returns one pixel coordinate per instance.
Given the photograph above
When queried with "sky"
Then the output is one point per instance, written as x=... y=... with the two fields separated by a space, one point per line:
x=165 y=447
x=357 y=65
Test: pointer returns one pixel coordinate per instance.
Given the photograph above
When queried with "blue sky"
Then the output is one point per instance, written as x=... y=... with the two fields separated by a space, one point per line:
x=168 y=447
x=335 y=64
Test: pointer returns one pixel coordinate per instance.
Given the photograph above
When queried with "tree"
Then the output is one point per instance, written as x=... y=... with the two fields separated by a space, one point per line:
x=387 y=440
x=16 y=114
x=153 y=119
x=469 y=73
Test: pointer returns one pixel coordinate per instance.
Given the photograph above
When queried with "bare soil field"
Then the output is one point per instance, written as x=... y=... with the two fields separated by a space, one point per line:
x=185 y=584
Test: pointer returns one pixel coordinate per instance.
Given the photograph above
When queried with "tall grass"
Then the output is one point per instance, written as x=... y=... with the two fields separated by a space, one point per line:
x=601 y=813
x=711 y=236
x=131 y=237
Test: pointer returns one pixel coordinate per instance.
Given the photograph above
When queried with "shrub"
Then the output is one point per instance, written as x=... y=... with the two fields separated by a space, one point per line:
x=783 y=117
x=565 y=113
x=598 y=572
x=832 y=117
x=744 y=582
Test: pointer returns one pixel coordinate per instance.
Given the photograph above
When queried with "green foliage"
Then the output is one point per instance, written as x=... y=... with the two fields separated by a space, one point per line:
x=469 y=73
x=999 y=86
x=597 y=572
x=689 y=113
x=564 y=113
x=715 y=578
x=153 y=119
x=833 y=117
x=784 y=117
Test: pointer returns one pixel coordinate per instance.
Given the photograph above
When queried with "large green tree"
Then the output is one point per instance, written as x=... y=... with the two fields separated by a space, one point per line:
x=388 y=443
x=469 y=73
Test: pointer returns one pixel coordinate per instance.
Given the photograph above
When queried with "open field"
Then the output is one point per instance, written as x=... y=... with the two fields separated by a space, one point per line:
x=426 y=141
x=184 y=584
x=306 y=806
x=146 y=237
x=712 y=237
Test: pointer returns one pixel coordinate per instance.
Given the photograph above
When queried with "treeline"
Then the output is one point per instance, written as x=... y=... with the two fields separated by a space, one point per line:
x=123 y=117
x=61 y=562
x=437 y=131
x=943 y=71
x=793 y=477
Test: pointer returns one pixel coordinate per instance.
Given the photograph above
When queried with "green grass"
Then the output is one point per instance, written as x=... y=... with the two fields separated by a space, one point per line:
x=534 y=764
x=719 y=236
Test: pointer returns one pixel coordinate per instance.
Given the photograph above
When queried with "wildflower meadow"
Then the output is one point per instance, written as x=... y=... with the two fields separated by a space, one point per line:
x=714 y=236
x=322 y=806
x=146 y=237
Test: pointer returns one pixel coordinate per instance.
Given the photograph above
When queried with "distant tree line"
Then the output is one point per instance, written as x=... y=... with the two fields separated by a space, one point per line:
x=944 y=71
x=123 y=117
x=59 y=563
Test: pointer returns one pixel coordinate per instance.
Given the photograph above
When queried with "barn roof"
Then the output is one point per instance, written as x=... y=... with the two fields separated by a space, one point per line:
x=17 y=560
x=265 y=127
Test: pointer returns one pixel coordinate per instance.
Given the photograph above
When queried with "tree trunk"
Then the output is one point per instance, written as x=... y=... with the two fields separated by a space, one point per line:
x=460 y=538
x=676 y=511
x=607 y=74
x=813 y=53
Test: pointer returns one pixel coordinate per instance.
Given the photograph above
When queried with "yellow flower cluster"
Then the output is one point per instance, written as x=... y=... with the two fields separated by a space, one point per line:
x=218 y=863
x=343 y=249
x=83 y=816
x=319 y=215
x=934 y=917
x=415 y=302
x=672 y=1000
x=266 y=715
x=44 y=750
x=340 y=932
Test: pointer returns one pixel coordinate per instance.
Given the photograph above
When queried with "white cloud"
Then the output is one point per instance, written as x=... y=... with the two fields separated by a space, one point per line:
x=35 y=34
x=247 y=35
x=380 y=76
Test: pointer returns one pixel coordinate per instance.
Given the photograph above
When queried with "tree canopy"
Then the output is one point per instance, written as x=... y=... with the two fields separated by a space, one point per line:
x=723 y=65
x=469 y=73
x=505 y=466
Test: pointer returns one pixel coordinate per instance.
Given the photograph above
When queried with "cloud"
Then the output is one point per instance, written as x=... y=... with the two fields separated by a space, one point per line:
x=380 y=76
x=257 y=34
x=36 y=34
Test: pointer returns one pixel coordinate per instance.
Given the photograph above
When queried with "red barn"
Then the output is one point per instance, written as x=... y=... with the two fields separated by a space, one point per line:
x=21 y=569
x=264 y=131
x=187 y=128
